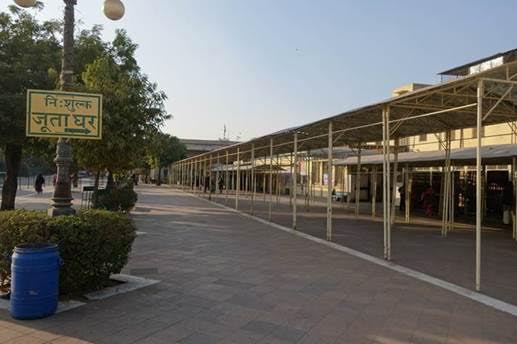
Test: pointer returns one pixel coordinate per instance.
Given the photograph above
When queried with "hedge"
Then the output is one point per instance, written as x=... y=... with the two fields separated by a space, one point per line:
x=93 y=244
x=121 y=197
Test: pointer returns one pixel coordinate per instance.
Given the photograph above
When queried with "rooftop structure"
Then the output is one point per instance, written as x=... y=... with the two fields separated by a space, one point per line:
x=198 y=146
x=482 y=64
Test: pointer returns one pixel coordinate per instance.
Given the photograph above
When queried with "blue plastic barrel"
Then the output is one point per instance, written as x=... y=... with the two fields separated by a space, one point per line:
x=34 y=281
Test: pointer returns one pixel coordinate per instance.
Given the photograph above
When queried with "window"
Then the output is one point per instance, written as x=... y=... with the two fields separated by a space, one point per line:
x=422 y=138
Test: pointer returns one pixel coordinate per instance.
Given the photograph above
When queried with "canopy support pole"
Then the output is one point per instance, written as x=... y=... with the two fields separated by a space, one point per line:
x=252 y=180
x=358 y=182
x=264 y=180
x=182 y=175
x=348 y=183
x=246 y=182
x=217 y=175
x=270 y=178
x=386 y=181
x=453 y=200
x=194 y=185
x=291 y=174
x=306 y=181
x=408 y=190
x=238 y=180
x=394 y=181
x=309 y=180
x=374 y=190
x=204 y=175
x=226 y=180
x=447 y=185
x=210 y=178
x=514 y=180
x=191 y=186
x=342 y=174
x=278 y=180
x=294 y=164
x=480 y=94
x=329 y=186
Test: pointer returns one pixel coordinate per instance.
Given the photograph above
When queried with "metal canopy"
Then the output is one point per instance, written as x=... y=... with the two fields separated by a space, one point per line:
x=480 y=99
x=436 y=108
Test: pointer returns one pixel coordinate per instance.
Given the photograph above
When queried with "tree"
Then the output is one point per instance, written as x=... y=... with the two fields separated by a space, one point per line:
x=133 y=108
x=163 y=150
x=29 y=52
x=30 y=56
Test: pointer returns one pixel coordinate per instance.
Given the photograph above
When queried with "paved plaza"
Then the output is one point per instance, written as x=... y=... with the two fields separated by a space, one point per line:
x=226 y=278
x=419 y=245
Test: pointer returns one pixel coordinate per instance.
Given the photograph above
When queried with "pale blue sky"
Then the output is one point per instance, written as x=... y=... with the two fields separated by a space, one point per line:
x=263 y=65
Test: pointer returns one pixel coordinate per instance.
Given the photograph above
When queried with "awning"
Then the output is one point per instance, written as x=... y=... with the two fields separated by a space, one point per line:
x=495 y=154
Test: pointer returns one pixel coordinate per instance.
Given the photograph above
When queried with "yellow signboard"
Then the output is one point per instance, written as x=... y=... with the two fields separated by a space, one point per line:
x=64 y=114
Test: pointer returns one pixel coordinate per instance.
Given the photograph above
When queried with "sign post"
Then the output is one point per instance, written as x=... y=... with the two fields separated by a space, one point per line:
x=64 y=114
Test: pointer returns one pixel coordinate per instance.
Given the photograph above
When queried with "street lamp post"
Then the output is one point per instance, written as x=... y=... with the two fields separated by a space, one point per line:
x=62 y=198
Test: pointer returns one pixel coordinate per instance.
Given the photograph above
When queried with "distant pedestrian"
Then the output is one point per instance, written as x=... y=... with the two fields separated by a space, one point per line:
x=221 y=185
x=507 y=202
x=402 y=193
x=428 y=199
x=38 y=184
x=75 y=180
x=207 y=183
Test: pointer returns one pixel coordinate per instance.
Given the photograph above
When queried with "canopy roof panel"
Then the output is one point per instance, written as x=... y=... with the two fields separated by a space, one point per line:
x=436 y=108
x=500 y=154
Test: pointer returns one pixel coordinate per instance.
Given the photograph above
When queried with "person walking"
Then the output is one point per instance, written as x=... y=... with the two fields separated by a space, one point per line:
x=428 y=198
x=38 y=184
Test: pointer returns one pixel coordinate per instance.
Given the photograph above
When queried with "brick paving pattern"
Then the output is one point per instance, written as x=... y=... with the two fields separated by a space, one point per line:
x=229 y=279
x=417 y=246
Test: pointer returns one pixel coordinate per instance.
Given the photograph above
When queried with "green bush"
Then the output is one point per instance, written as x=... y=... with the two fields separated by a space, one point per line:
x=93 y=244
x=121 y=197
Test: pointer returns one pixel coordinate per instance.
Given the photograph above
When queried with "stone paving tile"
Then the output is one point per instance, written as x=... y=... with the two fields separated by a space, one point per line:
x=228 y=279
x=199 y=338
x=168 y=335
x=260 y=327
x=250 y=301
x=288 y=334
x=447 y=259
x=27 y=340
x=7 y=334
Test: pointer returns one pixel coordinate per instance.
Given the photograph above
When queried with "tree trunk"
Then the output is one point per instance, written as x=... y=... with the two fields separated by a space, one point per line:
x=110 y=184
x=159 y=181
x=13 y=158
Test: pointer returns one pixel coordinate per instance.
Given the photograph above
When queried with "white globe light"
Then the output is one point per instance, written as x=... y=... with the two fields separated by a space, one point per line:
x=25 y=3
x=113 y=9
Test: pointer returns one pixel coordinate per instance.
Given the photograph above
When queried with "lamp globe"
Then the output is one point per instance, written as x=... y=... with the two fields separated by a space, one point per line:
x=25 y=3
x=113 y=9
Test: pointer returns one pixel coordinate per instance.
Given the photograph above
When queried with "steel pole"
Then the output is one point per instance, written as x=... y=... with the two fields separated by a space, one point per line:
x=329 y=183
x=358 y=182
x=62 y=197
x=226 y=180
x=270 y=178
x=238 y=181
x=480 y=93
x=294 y=174
x=252 y=179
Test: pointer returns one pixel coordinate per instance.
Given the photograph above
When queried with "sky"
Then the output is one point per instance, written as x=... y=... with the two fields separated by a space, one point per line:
x=258 y=66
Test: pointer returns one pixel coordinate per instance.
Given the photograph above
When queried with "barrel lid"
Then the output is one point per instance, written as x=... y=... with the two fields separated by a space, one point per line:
x=35 y=248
